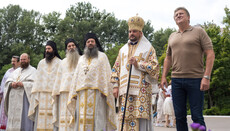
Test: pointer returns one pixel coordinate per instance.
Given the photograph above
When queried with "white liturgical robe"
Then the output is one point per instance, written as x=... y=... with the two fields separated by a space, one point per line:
x=61 y=116
x=17 y=99
x=41 y=100
x=91 y=95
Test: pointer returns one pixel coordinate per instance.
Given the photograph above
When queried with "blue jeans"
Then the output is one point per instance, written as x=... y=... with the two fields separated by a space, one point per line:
x=183 y=88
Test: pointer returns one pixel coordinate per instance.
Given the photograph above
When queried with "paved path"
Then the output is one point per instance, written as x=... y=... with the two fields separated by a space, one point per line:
x=215 y=123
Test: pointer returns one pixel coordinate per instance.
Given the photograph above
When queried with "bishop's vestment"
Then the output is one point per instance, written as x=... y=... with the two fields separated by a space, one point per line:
x=138 y=111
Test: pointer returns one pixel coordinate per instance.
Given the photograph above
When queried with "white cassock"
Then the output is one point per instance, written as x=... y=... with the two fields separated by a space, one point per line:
x=17 y=99
x=3 y=118
x=160 y=103
x=64 y=77
x=41 y=107
x=91 y=95
x=168 y=104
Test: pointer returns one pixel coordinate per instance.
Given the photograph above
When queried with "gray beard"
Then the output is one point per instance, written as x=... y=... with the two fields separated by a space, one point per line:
x=72 y=57
x=91 y=53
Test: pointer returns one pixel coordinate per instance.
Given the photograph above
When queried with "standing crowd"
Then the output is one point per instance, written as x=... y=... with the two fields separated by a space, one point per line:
x=78 y=93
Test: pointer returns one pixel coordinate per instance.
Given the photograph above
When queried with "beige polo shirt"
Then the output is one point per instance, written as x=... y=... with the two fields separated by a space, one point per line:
x=187 y=52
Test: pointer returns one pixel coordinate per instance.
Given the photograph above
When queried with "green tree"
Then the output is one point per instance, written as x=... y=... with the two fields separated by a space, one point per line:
x=160 y=38
x=87 y=18
x=109 y=29
x=9 y=31
x=214 y=33
x=51 y=22
x=112 y=53
x=3 y=70
x=148 y=31
x=220 y=85
x=160 y=43
x=65 y=30
x=122 y=32
x=20 y=32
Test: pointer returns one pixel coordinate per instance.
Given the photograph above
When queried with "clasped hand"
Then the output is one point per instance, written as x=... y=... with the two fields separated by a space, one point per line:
x=16 y=84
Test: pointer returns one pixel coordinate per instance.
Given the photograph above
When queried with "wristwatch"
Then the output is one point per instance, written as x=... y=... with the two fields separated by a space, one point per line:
x=207 y=77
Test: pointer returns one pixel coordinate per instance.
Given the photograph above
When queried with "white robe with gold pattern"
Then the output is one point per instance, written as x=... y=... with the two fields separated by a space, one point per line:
x=64 y=77
x=14 y=102
x=91 y=95
x=41 y=100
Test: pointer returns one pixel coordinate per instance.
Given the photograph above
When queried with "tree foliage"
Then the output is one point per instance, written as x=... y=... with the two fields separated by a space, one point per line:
x=27 y=31
x=160 y=39
x=20 y=32
x=219 y=93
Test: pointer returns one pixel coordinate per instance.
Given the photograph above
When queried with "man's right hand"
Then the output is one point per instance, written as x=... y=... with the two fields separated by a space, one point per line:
x=115 y=92
x=164 y=83
x=14 y=84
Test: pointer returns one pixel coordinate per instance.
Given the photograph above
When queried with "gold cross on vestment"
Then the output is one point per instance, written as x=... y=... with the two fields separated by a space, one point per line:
x=123 y=57
x=18 y=78
x=87 y=68
x=139 y=58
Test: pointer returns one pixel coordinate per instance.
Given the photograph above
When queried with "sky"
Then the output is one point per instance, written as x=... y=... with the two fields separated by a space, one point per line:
x=159 y=12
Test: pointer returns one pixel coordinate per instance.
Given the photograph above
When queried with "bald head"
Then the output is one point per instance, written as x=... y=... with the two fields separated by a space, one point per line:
x=25 y=60
x=25 y=55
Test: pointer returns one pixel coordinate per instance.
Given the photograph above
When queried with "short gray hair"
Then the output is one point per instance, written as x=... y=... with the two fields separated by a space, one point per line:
x=182 y=8
x=16 y=57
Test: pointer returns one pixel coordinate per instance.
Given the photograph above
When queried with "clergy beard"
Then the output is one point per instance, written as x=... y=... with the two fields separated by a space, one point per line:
x=24 y=65
x=49 y=56
x=91 y=53
x=72 y=58
x=133 y=38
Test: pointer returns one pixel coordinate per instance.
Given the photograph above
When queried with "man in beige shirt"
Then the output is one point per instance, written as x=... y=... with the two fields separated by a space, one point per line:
x=185 y=52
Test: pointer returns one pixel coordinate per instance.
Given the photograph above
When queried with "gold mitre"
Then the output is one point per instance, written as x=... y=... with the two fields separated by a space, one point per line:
x=136 y=23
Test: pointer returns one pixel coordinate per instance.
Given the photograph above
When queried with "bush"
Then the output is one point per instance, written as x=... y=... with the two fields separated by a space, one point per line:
x=212 y=111
x=3 y=70
x=225 y=112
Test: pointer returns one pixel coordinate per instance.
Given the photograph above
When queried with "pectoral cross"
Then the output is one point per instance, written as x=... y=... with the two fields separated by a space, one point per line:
x=86 y=70
x=18 y=78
